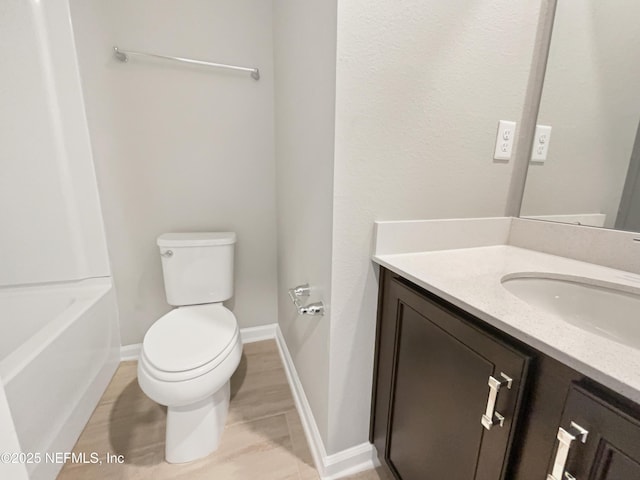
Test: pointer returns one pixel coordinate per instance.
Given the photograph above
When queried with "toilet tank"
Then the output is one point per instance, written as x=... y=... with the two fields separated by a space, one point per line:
x=197 y=267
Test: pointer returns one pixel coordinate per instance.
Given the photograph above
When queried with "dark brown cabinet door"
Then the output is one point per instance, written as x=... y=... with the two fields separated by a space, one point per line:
x=610 y=450
x=439 y=378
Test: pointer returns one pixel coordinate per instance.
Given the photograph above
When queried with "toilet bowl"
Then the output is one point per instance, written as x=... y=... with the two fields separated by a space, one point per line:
x=187 y=359
x=189 y=354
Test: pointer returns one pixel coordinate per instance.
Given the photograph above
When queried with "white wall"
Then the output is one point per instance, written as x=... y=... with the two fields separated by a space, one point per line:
x=181 y=148
x=305 y=65
x=421 y=86
x=591 y=100
x=50 y=212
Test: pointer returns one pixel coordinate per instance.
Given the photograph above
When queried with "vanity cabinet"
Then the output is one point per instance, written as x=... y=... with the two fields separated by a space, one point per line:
x=448 y=395
x=458 y=399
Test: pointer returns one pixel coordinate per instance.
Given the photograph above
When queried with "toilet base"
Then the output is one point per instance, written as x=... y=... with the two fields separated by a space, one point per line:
x=194 y=431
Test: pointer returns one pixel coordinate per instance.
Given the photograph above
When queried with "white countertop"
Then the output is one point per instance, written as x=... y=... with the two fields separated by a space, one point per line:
x=470 y=278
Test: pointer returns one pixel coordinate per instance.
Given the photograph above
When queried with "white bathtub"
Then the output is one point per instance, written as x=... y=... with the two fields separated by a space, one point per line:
x=59 y=347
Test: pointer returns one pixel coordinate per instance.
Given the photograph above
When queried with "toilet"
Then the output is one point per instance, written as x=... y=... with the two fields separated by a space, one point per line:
x=189 y=354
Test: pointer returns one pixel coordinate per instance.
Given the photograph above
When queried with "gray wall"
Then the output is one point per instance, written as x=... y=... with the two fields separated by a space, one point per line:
x=305 y=64
x=181 y=148
x=421 y=86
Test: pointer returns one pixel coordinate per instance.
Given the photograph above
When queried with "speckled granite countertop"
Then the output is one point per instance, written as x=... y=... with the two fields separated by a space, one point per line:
x=471 y=279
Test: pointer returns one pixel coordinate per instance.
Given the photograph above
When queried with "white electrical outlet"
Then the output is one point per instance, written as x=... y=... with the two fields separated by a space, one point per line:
x=541 y=143
x=504 y=140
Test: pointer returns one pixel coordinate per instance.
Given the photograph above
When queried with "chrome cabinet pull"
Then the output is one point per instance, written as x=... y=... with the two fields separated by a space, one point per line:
x=565 y=439
x=491 y=417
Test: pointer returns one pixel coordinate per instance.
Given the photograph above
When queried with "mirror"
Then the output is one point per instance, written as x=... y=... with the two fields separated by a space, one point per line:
x=591 y=99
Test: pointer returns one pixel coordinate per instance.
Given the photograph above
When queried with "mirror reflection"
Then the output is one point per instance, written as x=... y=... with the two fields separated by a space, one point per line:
x=591 y=101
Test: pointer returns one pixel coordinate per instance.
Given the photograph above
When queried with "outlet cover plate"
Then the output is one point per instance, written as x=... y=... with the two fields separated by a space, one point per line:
x=541 y=140
x=504 y=140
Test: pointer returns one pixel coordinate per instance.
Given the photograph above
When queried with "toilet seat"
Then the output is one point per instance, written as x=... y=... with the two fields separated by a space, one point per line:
x=189 y=341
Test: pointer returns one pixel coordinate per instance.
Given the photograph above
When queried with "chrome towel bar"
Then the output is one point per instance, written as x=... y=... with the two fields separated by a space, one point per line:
x=123 y=56
x=314 y=309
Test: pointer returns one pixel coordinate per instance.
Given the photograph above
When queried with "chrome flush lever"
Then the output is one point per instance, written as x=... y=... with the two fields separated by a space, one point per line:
x=491 y=417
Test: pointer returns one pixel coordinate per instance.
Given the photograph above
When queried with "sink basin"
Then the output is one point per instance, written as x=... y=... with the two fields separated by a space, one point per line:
x=605 y=311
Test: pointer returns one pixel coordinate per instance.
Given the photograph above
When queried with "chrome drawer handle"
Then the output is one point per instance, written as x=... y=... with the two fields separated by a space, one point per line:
x=565 y=439
x=491 y=417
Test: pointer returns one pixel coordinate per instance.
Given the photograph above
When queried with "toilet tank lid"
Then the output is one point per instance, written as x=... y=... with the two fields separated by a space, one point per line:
x=196 y=239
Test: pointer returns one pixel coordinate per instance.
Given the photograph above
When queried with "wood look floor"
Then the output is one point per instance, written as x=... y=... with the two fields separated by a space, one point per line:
x=263 y=437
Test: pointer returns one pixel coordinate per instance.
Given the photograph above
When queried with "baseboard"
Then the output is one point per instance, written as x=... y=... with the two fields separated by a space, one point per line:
x=350 y=461
x=248 y=335
x=257 y=334
x=353 y=460
x=130 y=352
